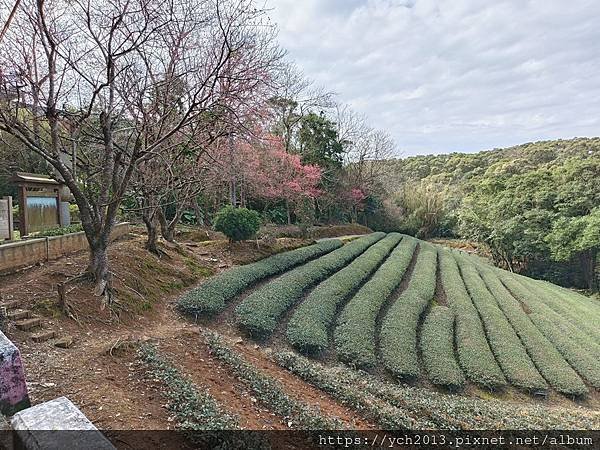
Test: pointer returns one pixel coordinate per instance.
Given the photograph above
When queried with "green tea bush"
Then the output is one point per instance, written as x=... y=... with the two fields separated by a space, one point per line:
x=582 y=360
x=237 y=224
x=260 y=312
x=442 y=411
x=377 y=410
x=505 y=343
x=437 y=348
x=197 y=413
x=355 y=332
x=549 y=362
x=577 y=313
x=474 y=353
x=398 y=339
x=308 y=327
x=268 y=390
x=212 y=296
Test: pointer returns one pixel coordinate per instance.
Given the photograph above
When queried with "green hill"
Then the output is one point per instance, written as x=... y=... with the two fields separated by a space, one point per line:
x=535 y=206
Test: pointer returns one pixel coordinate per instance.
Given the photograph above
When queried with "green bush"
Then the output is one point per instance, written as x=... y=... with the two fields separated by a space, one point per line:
x=574 y=308
x=474 y=353
x=554 y=327
x=544 y=355
x=237 y=224
x=373 y=409
x=194 y=410
x=398 y=338
x=268 y=390
x=212 y=296
x=369 y=396
x=260 y=311
x=60 y=231
x=437 y=348
x=504 y=342
x=355 y=331
x=308 y=327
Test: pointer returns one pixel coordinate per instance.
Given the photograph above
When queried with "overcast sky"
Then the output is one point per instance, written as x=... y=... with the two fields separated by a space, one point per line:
x=454 y=75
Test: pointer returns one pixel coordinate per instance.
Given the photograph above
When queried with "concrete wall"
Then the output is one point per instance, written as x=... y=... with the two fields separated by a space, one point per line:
x=26 y=253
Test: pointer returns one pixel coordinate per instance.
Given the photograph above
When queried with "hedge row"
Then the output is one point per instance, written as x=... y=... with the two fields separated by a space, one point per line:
x=376 y=410
x=581 y=360
x=437 y=348
x=197 y=413
x=398 y=338
x=308 y=328
x=544 y=355
x=580 y=326
x=577 y=313
x=268 y=390
x=260 y=312
x=448 y=412
x=355 y=331
x=505 y=343
x=474 y=353
x=212 y=296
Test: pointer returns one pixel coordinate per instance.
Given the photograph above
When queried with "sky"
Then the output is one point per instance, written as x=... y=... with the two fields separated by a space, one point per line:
x=453 y=75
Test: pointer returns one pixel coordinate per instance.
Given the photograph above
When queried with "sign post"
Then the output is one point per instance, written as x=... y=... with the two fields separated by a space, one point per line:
x=6 y=219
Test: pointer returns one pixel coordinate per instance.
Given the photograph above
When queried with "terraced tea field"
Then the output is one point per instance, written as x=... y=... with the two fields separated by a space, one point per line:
x=390 y=303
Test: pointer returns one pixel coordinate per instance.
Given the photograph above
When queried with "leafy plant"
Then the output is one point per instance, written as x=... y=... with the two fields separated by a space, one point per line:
x=212 y=296
x=474 y=353
x=308 y=327
x=260 y=311
x=437 y=348
x=355 y=331
x=398 y=338
x=237 y=224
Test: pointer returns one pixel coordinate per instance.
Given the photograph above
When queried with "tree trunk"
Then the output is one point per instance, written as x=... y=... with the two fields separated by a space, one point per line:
x=152 y=230
x=287 y=210
x=588 y=261
x=98 y=268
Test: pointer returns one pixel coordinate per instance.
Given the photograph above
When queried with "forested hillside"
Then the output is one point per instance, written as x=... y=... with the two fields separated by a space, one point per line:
x=536 y=205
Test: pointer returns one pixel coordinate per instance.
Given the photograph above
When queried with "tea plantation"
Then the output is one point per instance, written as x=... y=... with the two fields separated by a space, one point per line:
x=416 y=311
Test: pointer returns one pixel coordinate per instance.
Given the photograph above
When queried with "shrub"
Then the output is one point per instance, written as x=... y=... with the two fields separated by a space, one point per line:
x=474 y=353
x=370 y=396
x=308 y=327
x=60 y=231
x=195 y=410
x=212 y=296
x=398 y=338
x=260 y=311
x=355 y=331
x=544 y=355
x=504 y=342
x=437 y=348
x=583 y=316
x=355 y=395
x=554 y=327
x=268 y=390
x=237 y=224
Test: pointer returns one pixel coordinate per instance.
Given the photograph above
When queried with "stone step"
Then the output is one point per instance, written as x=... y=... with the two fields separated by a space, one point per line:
x=10 y=304
x=17 y=314
x=28 y=324
x=43 y=336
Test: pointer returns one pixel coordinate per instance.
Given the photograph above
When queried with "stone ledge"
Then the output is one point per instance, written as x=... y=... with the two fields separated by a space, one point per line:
x=57 y=424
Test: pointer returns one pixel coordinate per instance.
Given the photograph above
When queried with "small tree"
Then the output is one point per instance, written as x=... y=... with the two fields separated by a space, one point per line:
x=237 y=224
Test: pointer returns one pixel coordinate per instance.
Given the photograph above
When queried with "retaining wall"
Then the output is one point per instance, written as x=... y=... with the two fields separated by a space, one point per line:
x=20 y=254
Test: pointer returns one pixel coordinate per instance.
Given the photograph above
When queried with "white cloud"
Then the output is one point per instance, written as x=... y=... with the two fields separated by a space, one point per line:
x=460 y=75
